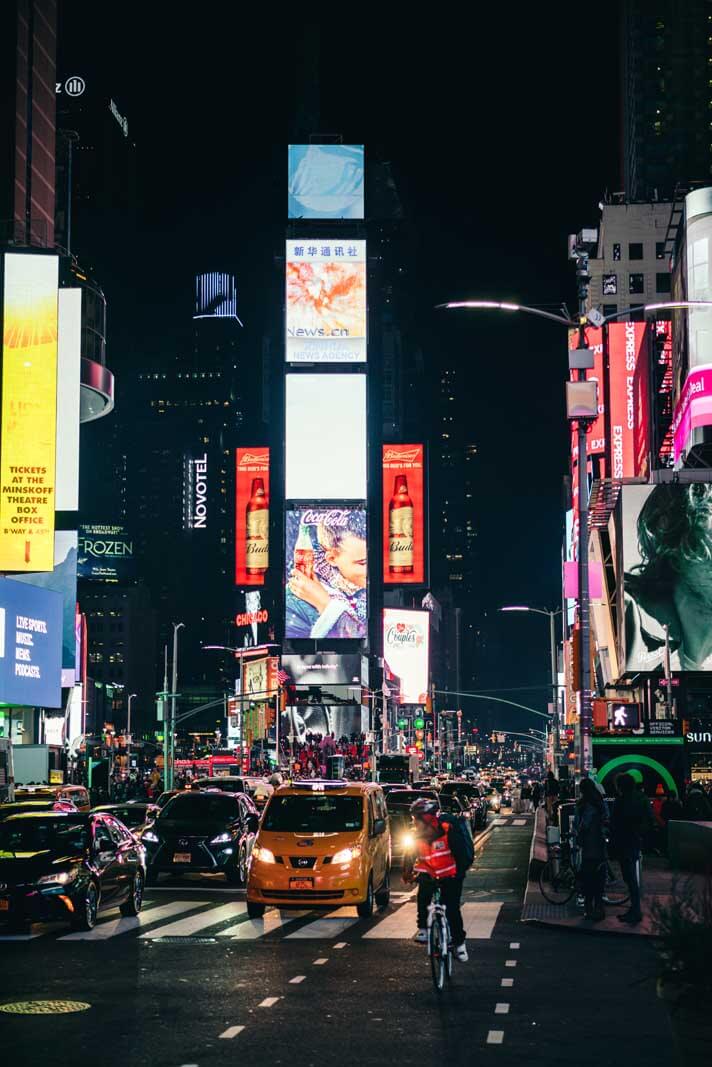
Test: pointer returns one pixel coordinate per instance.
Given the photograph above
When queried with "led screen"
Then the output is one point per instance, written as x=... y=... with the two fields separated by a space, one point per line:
x=343 y=720
x=326 y=437
x=106 y=553
x=403 y=515
x=251 y=515
x=30 y=645
x=326 y=573
x=628 y=406
x=326 y=301
x=69 y=358
x=326 y=181
x=324 y=669
x=406 y=640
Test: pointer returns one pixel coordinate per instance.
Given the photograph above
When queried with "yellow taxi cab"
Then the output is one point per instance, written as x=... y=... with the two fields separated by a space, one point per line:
x=78 y=795
x=322 y=843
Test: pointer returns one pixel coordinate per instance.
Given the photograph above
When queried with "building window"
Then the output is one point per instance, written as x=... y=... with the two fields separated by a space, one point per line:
x=610 y=309
x=635 y=250
x=636 y=284
x=616 y=253
x=660 y=250
x=662 y=282
x=610 y=285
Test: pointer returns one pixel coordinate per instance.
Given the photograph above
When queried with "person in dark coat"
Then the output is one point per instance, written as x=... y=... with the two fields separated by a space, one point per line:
x=590 y=822
x=632 y=818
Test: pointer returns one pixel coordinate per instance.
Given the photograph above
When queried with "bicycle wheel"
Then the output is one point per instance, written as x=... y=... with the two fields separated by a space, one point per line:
x=438 y=953
x=557 y=888
x=616 y=892
x=447 y=940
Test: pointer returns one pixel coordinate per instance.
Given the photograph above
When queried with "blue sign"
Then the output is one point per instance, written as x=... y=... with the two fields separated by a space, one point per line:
x=326 y=181
x=30 y=645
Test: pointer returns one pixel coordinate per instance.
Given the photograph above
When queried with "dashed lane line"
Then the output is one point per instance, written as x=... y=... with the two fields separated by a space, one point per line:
x=320 y=962
x=495 y=1037
x=501 y=1008
x=232 y=1031
x=298 y=978
x=268 y=1002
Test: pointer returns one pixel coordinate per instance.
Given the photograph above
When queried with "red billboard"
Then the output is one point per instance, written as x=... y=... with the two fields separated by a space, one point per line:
x=403 y=515
x=251 y=515
x=596 y=443
x=628 y=399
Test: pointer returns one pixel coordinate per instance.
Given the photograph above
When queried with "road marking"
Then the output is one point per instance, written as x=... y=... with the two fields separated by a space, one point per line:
x=28 y=937
x=400 y=924
x=297 y=979
x=480 y=919
x=501 y=1008
x=268 y=1002
x=186 y=927
x=253 y=929
x=519 y=822
x=507 y=983
x=510 y=963
x=331 y=925
x=232 y=1031
x=341 y=944
x=514 y=944
x=320 y=962
x=113 y=927
x=495 y=1037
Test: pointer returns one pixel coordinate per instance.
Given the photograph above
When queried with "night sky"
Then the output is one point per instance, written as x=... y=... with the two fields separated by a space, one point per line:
x=502 y=128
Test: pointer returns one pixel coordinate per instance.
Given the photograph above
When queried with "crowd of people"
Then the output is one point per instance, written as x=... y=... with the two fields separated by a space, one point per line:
x=310 y=756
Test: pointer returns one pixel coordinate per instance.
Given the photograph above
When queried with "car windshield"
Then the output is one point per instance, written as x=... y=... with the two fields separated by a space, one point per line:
x=403 y=798
x=465 y=788
x=131 y=816
x=228 y=785
x=317 y=814
x=61 y=836
x=199 y=807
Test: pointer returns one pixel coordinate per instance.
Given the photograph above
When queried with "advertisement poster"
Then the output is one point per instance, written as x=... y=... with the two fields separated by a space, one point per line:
x=29 y=413
x=403 y=515
x=259 y=678
x=343 y=720
x=406 y=652
x=693 y=410
x=326 y=181
x=30 y=645
x=596 y=441
x=105 y=553
x=69 y=359
x=251 y=515
x=325 y=455
x=628 y=403
x=326 y=573
x=326 y=301
x=324 y=669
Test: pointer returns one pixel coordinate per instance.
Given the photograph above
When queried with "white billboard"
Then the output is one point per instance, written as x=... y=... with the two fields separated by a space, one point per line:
x=406 y=653
x=325 y=437
x=326 y=181
x=326 y=301
x=69 y=358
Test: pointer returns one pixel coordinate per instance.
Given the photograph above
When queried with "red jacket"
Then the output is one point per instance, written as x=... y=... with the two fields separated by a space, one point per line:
x=435 y=856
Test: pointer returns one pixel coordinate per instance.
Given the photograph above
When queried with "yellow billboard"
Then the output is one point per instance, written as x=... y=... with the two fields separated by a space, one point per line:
x=29 y=412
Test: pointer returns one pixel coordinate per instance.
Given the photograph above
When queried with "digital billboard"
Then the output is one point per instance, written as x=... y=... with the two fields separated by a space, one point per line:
x=693 y=409
x=325 y=181
x=69 y=360
x=326 y=573
x=698 y=274
x=325 y=437
x=30 y=645
x=406 y=652
x=628 y=399
x=343 y=720
x=105 y=553
x=324 y=669
x=251 y=515
x=403 y=515
x=29 y=413
x=667 y=564
x=326 y=301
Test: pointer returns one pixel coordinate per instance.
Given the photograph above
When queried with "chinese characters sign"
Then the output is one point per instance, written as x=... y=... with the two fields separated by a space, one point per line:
x=326 y=301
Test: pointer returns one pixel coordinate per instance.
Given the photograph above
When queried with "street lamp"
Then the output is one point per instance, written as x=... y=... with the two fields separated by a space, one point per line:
x=239 y=653
x=169 y=749
x=132 y=696
x=552 y=650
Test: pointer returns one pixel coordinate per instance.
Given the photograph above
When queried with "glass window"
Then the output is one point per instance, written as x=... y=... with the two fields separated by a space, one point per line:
x=636 y=284
x=102 y=838
x=610 y=284
x=319 y=813
x=663 y=282
x=660 y=250
x=616 y=253
x=610 y=309
x=635 y=250
x=201 y=806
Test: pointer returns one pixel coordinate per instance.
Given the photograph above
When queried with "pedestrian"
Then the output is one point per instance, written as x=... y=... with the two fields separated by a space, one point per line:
x=536 y=795
x=697 y=806
x=590 y=824
x=671 y=810
x=631 y=820
x=551 y=793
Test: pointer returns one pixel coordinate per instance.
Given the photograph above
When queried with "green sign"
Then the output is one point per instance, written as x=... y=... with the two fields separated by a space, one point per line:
x=634 y=742
x=418 y=723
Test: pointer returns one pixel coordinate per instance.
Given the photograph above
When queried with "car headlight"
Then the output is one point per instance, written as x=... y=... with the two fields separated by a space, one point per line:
x=345 y=855
x=59 y=878
x=259 y=852
x=221 y=838
x=408 y=842
x=149 y=835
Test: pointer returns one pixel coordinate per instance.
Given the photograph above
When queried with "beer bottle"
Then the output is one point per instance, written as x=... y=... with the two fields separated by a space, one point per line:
x=400 y=528
x=257 y=529
x=304 y=552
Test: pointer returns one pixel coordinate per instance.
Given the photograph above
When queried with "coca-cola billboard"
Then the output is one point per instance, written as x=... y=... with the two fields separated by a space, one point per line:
x=326 y=573
x=406 y=653
x=251 y=515
x=403 y=515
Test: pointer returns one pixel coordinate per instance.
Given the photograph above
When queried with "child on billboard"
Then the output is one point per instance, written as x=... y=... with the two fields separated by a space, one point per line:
x=327 y=577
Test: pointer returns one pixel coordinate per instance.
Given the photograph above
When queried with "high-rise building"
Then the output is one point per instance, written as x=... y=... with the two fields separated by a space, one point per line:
x=666 y=96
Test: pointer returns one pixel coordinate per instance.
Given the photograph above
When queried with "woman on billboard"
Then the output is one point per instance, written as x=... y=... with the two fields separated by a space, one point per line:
x=326 y=590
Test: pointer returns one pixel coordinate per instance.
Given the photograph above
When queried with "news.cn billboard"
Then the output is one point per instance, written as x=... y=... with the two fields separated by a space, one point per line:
x=326 y=573
x=326 y=181
x=403 y=515
x=326 y=301
x=628 y=378
x=105 y=553
x=251 y=515
x=30 y=645
x=325 y=437
x=29 y=412
x=406 y=653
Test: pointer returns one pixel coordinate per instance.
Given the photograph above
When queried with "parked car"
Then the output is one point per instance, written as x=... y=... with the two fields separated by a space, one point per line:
x=78 y=795
x=133 y=813
x=153 y=807
x=472 y=795
x=453 y=805
x=67 y=866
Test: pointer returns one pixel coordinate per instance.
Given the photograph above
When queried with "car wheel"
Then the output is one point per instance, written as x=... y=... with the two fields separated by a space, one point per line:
x=86 y=908
x=383 y=896
x=255 y=910
x=242 y=863
x=132 y=906
x=232 y=874
x=365 y=908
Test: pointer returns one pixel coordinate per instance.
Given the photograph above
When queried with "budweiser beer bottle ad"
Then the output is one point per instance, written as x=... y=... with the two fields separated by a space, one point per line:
x=403 y=515
x=251 y=515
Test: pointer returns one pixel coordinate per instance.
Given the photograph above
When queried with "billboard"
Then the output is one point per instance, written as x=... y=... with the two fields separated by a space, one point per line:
x=326 y=301
x=667 y=565
x=343 y=720
x=325 y=181
x=403 y=515
x=30 y=645
x=406 y=652
x=105 y=553
x=325 y=437
x=698 y=274
x=29 y=413
x=628 y=399
x=259 y=677
x=324 y=669
x=69 y=359
x=196 y=480
x=215 y=296
x=326 y=573
x=251 y=515
x=693 y=410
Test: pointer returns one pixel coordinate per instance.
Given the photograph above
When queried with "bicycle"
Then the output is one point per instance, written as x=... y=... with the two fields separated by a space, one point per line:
x=439 y=941
x=560 y=876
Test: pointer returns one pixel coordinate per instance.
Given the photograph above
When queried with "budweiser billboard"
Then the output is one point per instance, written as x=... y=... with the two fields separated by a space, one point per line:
x=406 y=641
x=628 y=399
x=403 y=515
x=251 y=515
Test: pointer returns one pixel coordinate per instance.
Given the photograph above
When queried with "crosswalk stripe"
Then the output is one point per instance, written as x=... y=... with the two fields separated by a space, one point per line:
x=479 y=919
x=253 y=929
x=191 y=925
x=113 y=927
x=330 y=925
x=400 y=924
x=519 y=822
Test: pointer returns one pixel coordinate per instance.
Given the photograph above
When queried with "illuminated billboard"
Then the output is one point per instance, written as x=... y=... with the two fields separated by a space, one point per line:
x=692 y=411
x=403 y=515
x=698 y=274
x=628 y=399
x=251 y=515
x=29 y=413
x=326 y=301
x=324 y=669
x=69 y=360
x=406 y=653
x=326 y=181
x=348 y=721
x=326 y=573
x=325 y=437
x=667 y=564
x=105 y=553
x=30 y=645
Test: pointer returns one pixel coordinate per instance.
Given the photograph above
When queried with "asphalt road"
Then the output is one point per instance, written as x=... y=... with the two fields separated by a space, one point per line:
x=197 y=983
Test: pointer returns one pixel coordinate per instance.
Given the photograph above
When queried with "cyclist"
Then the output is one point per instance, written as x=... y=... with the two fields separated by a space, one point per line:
x=436 y=844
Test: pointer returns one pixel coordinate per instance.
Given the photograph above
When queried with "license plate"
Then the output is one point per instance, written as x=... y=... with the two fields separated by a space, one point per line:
x=4 y=905
x=182 y=857
x=301 y=883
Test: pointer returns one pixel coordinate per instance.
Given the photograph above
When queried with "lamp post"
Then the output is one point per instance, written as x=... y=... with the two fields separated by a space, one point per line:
x=170 y=735
x=239 y=653
x=552 y=643
x=132 y=696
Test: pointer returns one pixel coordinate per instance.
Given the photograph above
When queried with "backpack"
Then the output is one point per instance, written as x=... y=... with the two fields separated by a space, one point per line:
x=460 y=839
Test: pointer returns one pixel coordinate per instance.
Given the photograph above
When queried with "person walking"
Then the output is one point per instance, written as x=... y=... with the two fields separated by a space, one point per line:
x=631 y=819
x=590 y=824
x=551 y=794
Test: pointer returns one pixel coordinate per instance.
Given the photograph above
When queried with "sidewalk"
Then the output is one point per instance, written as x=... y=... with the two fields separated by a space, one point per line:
x=658 y=881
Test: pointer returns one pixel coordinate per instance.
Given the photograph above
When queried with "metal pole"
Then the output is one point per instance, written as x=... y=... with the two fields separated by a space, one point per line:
x=128 y=737
x=586 y=722
x=242 y=716
x=169 y=770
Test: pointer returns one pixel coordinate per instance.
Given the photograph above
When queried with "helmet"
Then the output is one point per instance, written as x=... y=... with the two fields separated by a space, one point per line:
x=423 y=806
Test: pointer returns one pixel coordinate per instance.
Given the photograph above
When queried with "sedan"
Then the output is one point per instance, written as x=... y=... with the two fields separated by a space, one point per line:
x=134 y=813
x=452 y=805
x=472 y=796
x=67 y=866
x=209 y=832
x=21 y=807
x=398 y=805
